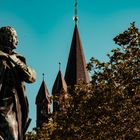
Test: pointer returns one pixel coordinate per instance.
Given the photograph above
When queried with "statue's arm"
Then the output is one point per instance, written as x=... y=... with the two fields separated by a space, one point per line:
x=28 y=74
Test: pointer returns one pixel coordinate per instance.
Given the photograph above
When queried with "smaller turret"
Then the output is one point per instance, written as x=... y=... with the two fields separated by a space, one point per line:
x=59 y=91
x=42 y=104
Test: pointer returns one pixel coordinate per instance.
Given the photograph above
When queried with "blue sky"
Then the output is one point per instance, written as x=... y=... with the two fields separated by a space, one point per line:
x=45 y=29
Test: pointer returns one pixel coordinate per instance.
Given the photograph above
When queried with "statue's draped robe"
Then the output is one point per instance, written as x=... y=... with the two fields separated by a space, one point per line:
x=13 y=101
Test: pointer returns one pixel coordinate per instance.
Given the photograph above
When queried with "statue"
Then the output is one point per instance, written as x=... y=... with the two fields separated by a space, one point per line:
x=13 y=101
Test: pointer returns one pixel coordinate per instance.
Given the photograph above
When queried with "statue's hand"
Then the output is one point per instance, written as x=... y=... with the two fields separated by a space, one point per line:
x=14 y=58
x=3 y=55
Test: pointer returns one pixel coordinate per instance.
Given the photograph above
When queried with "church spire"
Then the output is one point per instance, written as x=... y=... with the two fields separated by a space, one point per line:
x=59 y=83
x=75 y=18
x=76 y=66
x=42 y=104
x=59 y=88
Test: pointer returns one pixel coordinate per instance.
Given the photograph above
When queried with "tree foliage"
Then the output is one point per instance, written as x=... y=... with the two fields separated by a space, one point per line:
x=109 y=107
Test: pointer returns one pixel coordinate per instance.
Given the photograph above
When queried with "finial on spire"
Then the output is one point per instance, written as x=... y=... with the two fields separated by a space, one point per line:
x=75 y=18
x=43 y=75
x=59 y=66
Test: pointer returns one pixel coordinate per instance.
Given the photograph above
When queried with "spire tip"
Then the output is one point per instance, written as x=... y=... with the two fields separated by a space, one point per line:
x=75 y=18
x=59 y=66
x=43 y=75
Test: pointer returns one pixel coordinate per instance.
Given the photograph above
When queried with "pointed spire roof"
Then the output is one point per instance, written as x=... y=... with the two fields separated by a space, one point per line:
x=43 y=93
x=59 y=84
x=76 y=65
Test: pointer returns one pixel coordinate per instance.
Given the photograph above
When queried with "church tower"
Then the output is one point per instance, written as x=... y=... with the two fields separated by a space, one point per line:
x=59 y=90
x=76 y=72
x=42 y=104
x=76 y=66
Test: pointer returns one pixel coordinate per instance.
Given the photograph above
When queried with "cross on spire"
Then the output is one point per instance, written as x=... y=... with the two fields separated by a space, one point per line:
x=75 y=18
x=59 y=66
x=43 y=75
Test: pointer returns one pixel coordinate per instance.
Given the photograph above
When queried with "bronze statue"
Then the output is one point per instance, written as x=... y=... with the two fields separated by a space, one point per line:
x=13 y=73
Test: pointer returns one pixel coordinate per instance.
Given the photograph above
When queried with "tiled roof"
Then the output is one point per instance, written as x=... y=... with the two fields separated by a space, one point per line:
x=43 y=94
x=76 y=66
x=59 y=84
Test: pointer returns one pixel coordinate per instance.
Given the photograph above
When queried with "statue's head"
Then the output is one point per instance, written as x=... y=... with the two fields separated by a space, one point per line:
x=8 y=37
